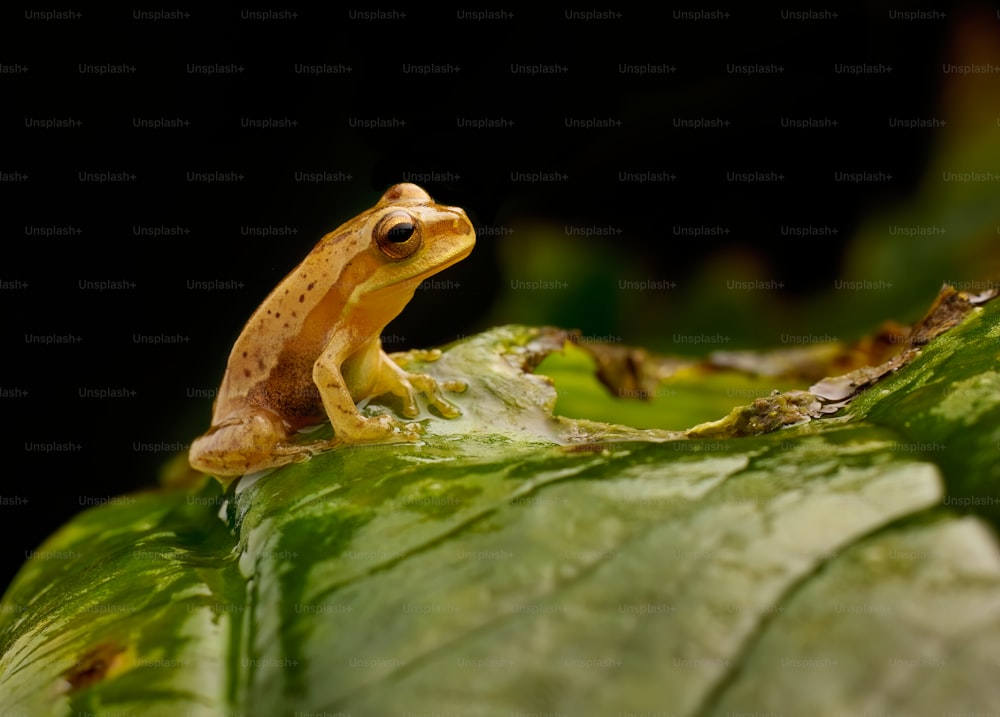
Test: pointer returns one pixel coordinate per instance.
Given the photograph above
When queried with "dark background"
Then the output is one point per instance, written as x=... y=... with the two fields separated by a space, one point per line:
x=65 y=449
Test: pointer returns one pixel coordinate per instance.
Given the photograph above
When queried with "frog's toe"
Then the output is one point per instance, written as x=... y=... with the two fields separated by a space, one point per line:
x=406 y=358
x=455 y=386
x=410 y=407
x=412 y=431
x=447 y=408
x=393 y=429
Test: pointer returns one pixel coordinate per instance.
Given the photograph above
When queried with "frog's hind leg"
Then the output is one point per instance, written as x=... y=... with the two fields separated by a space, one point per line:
x=244 y=444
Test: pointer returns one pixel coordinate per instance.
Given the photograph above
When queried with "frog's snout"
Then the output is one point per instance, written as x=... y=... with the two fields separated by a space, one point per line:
x=461 y=222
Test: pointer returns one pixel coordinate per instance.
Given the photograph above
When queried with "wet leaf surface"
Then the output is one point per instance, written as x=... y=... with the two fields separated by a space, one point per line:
x=516 y=562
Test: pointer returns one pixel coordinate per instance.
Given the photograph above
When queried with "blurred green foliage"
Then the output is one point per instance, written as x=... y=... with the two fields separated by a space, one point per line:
x=947 y=229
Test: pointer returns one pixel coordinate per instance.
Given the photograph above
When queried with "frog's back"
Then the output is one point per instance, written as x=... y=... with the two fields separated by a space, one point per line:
x=271 y=363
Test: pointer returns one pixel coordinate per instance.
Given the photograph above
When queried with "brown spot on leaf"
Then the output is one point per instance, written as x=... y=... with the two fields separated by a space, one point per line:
x=948 y=309
x=302 y=298
x=623 y=369
x=764 y=415
x=95 y=665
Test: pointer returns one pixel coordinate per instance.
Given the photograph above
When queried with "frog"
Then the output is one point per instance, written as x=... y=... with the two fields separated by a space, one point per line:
x=312 y=351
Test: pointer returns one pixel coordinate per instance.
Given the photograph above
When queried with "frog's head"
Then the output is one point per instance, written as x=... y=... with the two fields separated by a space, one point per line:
x=414 y=238
x=391 y=248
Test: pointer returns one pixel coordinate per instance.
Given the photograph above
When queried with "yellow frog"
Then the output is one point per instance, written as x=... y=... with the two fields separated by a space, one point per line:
x=312 y=350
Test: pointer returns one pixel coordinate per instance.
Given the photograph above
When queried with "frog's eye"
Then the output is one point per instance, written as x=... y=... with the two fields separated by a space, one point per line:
x=397 y=235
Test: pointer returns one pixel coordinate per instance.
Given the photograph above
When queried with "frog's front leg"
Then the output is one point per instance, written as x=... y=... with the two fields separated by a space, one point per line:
x=348 y=424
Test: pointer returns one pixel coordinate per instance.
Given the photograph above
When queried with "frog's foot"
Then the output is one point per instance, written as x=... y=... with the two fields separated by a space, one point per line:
x=405 y=358
x=431 y=388
x=375 y=429
x=406 y=386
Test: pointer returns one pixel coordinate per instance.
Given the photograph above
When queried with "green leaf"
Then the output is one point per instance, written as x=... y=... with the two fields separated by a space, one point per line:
x=518 y=563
